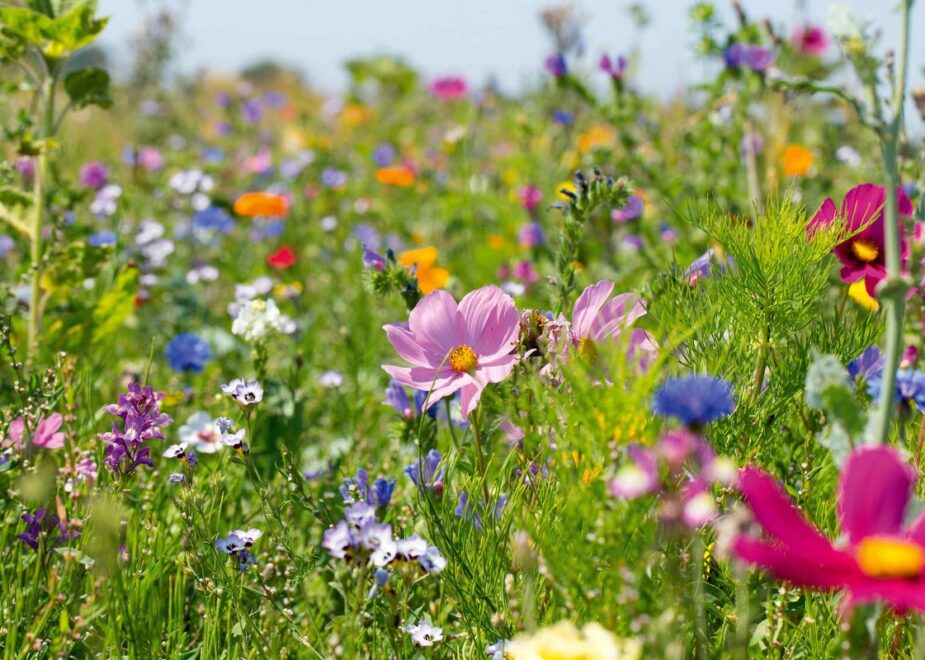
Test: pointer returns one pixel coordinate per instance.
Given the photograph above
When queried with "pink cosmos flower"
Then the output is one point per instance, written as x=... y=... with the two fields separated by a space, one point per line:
x=15 y=434
x=597 y=318
x=863 y=254
x=811 y=40
x=47 y=433
x=449 y=88
x=881 y=560
x=457 y=347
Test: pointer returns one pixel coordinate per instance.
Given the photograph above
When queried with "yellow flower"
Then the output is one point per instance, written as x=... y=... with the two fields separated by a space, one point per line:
x=567 y=185
x=596 y=136
x=429 y=277
x=354 y=113
x=564 y=641
x=858 y=292
x=797 y=160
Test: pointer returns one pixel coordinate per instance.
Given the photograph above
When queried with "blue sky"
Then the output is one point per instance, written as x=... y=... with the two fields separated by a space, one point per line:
x=477 y=38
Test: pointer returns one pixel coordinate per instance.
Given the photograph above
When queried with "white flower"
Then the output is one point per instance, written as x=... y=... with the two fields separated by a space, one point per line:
x=411 y=547
x=235 y=439
x=202 y=433
x=175 y=451
x=257 y=318
x=424 y=634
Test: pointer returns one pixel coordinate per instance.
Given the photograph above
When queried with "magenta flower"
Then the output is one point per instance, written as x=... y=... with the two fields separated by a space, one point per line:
x=598 y=318
x=457 y=348
x=449 y=88
x=881 y=559
x=811 y=40
x=863 y=254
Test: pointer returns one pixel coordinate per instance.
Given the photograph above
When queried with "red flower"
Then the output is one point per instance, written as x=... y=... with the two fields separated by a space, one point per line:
x=282 y=258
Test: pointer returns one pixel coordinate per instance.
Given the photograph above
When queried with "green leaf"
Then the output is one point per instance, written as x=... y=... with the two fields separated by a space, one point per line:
x=26 y=24
x=88 y=87
x=75 y=29
x=12 y=45
x=13 y=196
x=116 y=305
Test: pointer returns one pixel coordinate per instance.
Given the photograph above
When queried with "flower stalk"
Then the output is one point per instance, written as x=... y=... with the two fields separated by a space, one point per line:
x=893 y=290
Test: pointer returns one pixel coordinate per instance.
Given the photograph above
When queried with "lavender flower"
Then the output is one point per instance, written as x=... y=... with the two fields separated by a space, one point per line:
x=556 y=66
x=424 y=634
x=142 y=420
x=94 y=175
x=245 y=393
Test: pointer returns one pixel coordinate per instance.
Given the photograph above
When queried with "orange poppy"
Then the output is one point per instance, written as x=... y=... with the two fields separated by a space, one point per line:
x=254 y=204
x=797 y=160
x=429 y=277
x=396 y=175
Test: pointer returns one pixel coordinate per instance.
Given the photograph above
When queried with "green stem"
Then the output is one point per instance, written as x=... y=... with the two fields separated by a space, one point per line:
x=700 y=617
x=893 y=290
x=38 y=220
x=762 y=362
x=477 y=434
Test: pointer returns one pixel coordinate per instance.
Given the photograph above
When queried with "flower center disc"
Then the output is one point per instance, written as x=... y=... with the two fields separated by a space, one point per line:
x=463 y=359
x=865 y=250
x=882 y=557
x=586 y=348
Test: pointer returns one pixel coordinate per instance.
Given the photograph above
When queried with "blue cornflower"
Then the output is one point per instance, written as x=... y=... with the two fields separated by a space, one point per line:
x=213 y=218
x=188 y=352
x=101 y=238
x=910 y=387
x=563 y=117
x=694 y=400
x=556 y=66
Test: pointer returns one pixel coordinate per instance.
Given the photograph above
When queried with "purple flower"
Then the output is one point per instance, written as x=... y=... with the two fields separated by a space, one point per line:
x=142 y=420
x=756 y=58
x=638 y=477
x=432 y=561
x=373 y=259
x=339 y=539
x=102 y=238
x=867 y=365
x=333 y=178
x=237 y=545
x=94 y=175
x=252 y=111
x=615 y=68
x=6 y=244
x=531 y=235
x=631 y=211
x=563 y=118
x=383 y=155
x=431 y=478
x=556 y=66
x=357 y=489
x=45 y=532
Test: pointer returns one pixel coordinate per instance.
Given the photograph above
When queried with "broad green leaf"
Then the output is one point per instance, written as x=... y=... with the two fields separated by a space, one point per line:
x=75 y=29
x=12 y=45
x=88 y=87
x=116 y=305
x=13 y=196
x=27 y=24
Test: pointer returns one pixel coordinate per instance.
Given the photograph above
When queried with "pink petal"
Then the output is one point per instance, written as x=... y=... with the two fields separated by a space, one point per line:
x=823 y=217
x=490 y=321
x=616 y=315
x=433 y=322
x=901 y=594
x=830 y=569
x=17 y=429
x=873 y=491
x=861 y=204
x=494 y=371
x=470 y=394
x=588 y=305
x=403 y=341
x=775 y=512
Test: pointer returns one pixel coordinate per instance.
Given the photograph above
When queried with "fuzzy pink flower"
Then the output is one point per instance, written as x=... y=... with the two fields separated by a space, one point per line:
x=457 y=347
x=598 y=318
x=449 y=88
x=811 y=40
x=881 y=560
x=863 y=254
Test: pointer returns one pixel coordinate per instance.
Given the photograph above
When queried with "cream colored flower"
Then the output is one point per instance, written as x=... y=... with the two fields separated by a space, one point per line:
x=564 y=641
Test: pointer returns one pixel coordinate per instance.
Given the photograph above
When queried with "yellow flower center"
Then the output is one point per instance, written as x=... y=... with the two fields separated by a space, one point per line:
x=587 y=349
x=865 y=250
x=884 y=557
x=463 y=359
